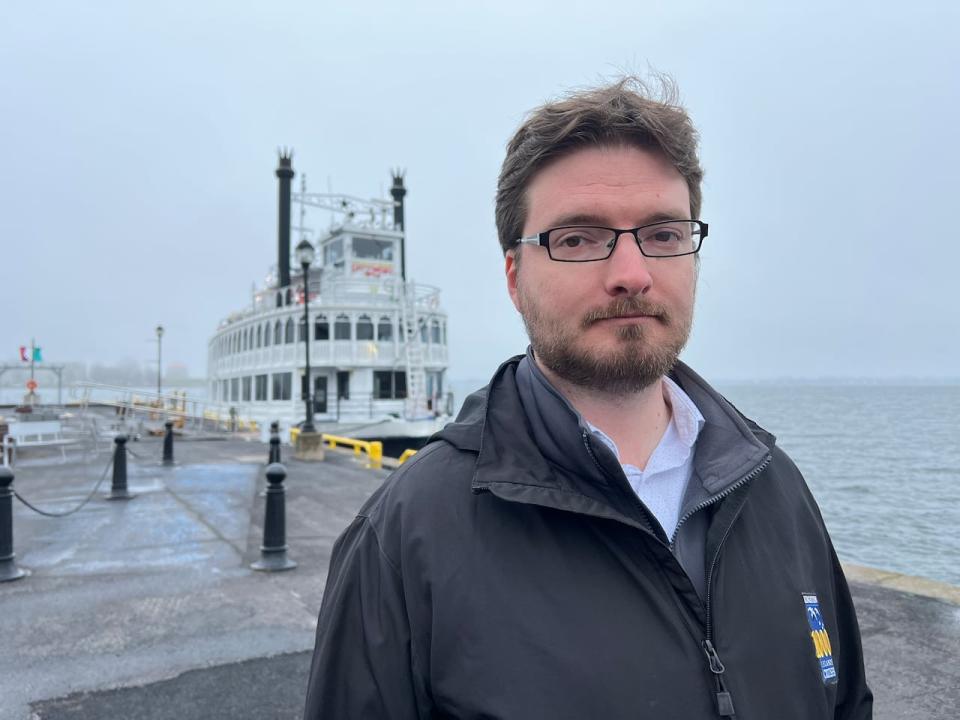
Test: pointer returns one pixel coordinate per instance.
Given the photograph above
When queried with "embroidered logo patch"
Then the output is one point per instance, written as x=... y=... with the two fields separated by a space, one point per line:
x=821 y=640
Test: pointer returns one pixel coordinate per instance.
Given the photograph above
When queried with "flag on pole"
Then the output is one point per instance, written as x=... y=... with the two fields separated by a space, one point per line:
x=23 y=354
x=36 y=355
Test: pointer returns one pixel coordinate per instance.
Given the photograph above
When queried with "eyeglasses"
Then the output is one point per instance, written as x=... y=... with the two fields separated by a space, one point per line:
x=586 y=243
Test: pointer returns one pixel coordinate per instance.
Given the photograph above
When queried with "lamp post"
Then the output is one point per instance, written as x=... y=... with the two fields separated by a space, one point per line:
x=159 y=355
x=305 y=255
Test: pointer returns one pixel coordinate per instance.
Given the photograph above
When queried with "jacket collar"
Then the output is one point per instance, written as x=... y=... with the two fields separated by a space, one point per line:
x=528 y=438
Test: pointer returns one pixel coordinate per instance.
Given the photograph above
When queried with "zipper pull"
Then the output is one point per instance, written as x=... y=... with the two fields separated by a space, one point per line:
x=724 y=699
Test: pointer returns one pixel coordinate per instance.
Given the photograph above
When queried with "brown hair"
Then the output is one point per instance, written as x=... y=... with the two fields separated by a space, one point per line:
x=624 y=113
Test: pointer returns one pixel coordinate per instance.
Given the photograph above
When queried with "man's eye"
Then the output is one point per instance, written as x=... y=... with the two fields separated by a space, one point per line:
x=666 y=236
x=579 y=238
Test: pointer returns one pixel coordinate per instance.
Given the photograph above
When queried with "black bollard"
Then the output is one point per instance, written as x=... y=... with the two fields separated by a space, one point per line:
x=168 y=443
x=8 y=565
x=273 y=552
x=274 y=456
x=118 y=489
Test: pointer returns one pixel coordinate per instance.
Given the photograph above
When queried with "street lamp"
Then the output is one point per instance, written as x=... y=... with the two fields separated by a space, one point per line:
x=305 y=255
x=159 y=354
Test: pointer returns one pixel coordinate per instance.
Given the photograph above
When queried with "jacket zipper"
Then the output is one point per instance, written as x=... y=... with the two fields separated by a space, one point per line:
x=722 y=695
x=724 y=699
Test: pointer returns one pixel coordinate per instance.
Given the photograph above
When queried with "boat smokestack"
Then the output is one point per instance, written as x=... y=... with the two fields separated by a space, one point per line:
x=398 y=191
x=285 y=175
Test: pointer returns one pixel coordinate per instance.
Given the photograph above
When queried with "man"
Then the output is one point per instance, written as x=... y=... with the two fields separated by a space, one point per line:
x=599 y=534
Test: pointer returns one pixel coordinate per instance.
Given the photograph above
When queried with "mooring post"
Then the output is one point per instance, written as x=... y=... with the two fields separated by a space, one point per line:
x=8 y=565
x=168 y=443
x=274 y=456
x=118 y=489
x=273 y=551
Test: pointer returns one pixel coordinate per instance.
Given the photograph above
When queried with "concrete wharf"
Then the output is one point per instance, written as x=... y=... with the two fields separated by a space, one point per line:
x=148 y=609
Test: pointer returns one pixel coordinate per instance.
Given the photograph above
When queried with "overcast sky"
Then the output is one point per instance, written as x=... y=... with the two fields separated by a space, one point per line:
x=139 y=141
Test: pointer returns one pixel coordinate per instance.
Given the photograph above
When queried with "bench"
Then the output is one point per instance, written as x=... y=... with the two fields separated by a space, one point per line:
x=33 y=434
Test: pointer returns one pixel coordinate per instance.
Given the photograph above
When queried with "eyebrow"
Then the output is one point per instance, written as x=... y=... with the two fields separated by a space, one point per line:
x=592 y=219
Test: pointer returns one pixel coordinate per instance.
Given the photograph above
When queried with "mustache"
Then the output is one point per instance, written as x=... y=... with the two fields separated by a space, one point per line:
x=626 y=307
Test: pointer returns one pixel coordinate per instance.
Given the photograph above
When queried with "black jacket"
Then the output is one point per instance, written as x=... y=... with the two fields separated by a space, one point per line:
x=493 y=576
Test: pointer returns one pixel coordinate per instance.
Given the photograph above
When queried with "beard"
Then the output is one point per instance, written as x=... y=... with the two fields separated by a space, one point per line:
x=630 y=367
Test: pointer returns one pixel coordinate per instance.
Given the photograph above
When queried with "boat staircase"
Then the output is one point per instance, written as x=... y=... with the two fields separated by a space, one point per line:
x=416 y=404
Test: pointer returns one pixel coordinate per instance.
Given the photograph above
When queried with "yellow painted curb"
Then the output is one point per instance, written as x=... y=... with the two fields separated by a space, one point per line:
x=905 y=583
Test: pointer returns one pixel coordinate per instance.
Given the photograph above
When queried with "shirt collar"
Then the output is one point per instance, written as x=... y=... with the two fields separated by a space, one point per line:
x=685 y=419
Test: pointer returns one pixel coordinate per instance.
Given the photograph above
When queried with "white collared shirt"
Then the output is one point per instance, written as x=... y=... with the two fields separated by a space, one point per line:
x=662 y=484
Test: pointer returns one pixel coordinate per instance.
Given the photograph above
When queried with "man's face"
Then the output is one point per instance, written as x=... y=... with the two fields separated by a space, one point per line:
x=614 y=325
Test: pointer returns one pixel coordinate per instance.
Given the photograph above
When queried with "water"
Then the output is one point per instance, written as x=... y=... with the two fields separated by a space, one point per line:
x=882 y=460
x=48 y=392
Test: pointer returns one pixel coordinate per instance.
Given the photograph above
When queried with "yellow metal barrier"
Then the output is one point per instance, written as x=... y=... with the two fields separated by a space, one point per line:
x=373 y=449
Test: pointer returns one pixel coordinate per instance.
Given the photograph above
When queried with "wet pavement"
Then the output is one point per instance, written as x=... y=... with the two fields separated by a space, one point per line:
x=147 y=608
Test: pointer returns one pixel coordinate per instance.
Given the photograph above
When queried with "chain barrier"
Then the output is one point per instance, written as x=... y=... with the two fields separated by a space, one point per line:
x=138 y=456
x=78 y=507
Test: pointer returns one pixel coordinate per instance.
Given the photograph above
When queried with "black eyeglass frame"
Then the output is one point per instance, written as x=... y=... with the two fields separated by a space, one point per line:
x=543 y=239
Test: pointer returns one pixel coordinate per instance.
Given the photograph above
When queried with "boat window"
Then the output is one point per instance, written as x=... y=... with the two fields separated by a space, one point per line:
x=333 y=252
x=364 y=328
x=277 y=333
x=435 y=332
x=288 y=332
x=434 y=384
x=341 y=328
x=246 y=389
x=321 y=328
x=343 y=384
x=371 y=249
x=389 y=385
x=384 y=329
x=282 y=383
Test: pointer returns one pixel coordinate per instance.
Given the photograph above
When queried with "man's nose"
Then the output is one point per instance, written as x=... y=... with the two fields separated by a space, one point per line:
x=626 y=271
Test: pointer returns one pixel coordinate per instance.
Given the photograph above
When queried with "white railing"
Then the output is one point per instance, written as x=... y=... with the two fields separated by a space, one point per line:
x=134 y=405
x=338 y=290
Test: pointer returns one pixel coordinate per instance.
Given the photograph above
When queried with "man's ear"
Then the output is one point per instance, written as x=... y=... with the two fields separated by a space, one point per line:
x=511 y=267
